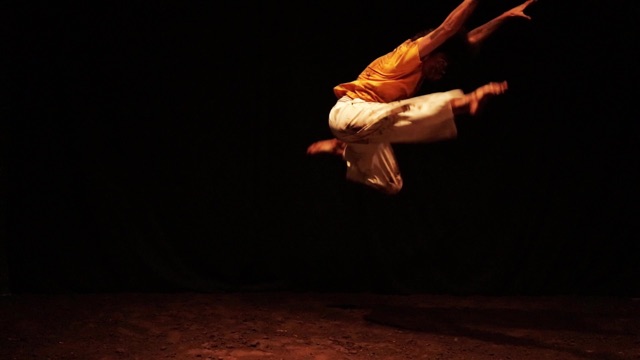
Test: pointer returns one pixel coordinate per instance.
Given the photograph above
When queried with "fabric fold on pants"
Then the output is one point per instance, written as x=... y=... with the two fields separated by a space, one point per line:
x=369 y=129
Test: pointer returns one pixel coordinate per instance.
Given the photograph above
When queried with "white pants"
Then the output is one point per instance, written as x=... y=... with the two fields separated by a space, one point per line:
x=369 y=129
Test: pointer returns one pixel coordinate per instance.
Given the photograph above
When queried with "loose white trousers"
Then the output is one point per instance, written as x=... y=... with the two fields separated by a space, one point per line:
x=369 y=129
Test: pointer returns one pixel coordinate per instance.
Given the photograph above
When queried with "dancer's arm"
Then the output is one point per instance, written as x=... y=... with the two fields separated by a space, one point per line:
x=478 y=35
x=449 y=27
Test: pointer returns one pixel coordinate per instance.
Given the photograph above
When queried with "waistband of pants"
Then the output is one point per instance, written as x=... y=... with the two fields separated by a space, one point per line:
x=345 y=98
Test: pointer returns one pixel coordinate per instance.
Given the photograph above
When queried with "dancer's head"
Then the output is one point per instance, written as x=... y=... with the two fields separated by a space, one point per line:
x=453 y=52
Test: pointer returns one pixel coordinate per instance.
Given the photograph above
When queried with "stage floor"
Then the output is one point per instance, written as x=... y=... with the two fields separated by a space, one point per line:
x=323 y=326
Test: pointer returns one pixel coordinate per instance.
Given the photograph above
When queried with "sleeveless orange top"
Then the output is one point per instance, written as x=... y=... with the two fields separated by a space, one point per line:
x=394 y=76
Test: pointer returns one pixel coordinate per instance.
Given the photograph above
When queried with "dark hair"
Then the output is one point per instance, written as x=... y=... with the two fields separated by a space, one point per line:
x=457 y=48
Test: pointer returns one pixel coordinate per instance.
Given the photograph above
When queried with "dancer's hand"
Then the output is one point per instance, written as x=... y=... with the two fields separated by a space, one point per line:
x=518 y=11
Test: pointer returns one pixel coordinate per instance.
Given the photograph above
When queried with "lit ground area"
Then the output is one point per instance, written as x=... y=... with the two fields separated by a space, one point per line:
x=327 y=326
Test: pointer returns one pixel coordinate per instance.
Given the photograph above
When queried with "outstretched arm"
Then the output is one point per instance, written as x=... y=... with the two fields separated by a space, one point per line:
x=450 y=26
x=478 y=35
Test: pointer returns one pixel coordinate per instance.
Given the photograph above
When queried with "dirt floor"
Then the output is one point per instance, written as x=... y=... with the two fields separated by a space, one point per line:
x=289 y=325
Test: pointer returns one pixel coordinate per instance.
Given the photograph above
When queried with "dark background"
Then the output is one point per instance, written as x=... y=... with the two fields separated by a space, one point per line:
x=160 y=146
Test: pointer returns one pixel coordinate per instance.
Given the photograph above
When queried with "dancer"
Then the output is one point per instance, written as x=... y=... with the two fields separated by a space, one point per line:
x=380 y=108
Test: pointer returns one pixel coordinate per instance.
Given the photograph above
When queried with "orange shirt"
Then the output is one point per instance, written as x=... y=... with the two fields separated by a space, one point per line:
x=394 y=76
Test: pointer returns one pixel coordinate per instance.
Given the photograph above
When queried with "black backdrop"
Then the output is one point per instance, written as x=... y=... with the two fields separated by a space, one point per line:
x=160 y=146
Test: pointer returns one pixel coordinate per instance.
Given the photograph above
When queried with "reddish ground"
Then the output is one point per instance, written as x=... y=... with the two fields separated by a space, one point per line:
x=285 y=325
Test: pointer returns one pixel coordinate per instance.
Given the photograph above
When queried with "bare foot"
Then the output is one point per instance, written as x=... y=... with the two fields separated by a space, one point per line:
x=329 y=146
x=480 y=96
